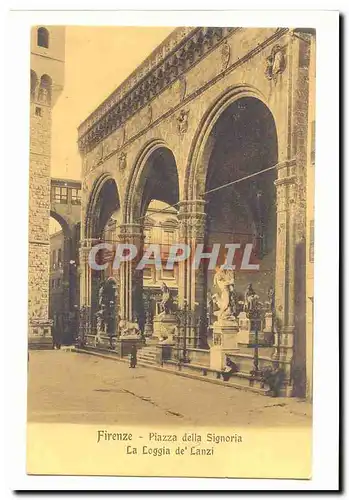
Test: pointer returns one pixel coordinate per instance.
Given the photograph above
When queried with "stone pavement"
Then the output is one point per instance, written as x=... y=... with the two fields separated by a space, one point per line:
x=69 y=387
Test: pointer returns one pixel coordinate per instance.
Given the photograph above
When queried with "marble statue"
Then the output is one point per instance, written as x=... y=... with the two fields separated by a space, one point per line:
x=226 y=301
x=251 y=301
x=165 y=305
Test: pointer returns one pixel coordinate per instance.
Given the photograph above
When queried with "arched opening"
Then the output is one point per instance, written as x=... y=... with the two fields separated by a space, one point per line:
x=160 y=227
x=102 y=224
x=233 y=169
x=43 y=38
x=241 y=202
x=63 y=276
x=157 y=179
x=45 y=89
x=153 y=205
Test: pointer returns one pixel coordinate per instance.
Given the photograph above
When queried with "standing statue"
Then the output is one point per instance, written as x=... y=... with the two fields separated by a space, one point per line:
x=224 y=279
x=271 y=299
x=251 y=301
x=209 y=308
x=165 y=306
x=233 y=299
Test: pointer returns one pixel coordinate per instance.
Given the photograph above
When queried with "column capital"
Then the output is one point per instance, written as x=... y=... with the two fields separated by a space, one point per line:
x=191 y=206
x=87 y=243
x=130 y=233
x=286 y=164
x=290 y=179
x=192 y=218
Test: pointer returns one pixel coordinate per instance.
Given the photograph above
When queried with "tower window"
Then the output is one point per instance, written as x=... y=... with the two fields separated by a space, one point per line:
x=38 y=111
x=43 y=38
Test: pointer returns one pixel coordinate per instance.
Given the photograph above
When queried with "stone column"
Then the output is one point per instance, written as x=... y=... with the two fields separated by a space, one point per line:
x=131 y=280
x=285 y=263
x=66 y=273
x=86 y=281
x=192 y=282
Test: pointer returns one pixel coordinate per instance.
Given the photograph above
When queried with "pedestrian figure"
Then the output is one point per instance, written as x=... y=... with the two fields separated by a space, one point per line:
x=133 y=356
x=56 y=332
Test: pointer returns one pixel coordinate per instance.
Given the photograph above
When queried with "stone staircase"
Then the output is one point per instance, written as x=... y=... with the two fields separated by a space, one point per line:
x=147 y=355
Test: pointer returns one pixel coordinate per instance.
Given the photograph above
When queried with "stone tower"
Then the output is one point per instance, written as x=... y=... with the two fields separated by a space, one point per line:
x=46 y=83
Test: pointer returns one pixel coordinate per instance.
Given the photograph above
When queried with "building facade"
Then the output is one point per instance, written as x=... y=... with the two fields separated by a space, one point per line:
x=211 y=107
x=46 y=83
x=64 y=296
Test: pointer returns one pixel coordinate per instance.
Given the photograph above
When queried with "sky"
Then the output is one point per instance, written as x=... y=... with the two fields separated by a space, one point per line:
x=97 y=60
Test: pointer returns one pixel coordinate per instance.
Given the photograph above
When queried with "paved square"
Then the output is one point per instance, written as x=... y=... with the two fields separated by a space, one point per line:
x=77 y=388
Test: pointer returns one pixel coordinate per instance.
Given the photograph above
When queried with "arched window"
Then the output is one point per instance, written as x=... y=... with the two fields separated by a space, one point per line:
x=33 y=83
x=45 y=89
x=43 y=38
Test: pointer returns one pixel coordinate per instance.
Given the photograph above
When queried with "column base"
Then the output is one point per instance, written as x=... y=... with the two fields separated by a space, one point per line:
x=40 y=336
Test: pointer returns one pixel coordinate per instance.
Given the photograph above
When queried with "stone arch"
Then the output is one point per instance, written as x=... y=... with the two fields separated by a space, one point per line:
x=64 y=224
x=91 y=210
x=235 y=138
x=69 y=287
x=202 y=143
x=133 y=198
x=154 y=177
x=104 y=200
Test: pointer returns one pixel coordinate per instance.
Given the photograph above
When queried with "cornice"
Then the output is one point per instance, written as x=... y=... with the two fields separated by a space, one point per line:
x=115 y=118
x=160 y=70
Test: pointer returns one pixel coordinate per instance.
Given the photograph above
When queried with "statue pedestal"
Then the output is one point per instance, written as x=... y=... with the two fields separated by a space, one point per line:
x=268 y=331
x=244 y=335
x=247 y=330
x=225 y=335
x=164 y=325
x=148 y=330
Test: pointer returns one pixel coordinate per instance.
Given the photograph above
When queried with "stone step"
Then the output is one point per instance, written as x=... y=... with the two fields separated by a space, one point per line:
x=166 y=367
x=146 y=357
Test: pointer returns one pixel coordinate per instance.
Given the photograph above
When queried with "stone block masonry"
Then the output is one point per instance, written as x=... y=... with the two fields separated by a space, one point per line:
x=39 y=215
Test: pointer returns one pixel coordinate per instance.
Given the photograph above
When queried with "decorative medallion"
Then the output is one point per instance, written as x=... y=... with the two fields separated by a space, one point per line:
x=225 y=55
x=281 y=227
x=182 y=121
x=275 y=63
x=122 y=161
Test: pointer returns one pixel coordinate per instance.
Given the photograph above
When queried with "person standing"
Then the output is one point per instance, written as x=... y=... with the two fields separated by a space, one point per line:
x=56 y=332
x=133 y=356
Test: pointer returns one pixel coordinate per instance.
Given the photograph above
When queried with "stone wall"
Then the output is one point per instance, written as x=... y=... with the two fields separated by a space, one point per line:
x=39 y=215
